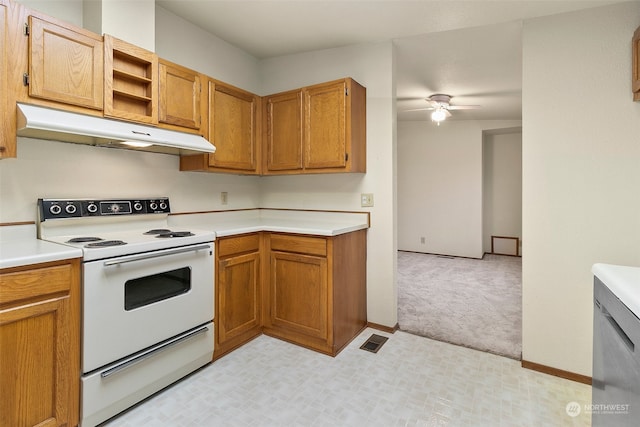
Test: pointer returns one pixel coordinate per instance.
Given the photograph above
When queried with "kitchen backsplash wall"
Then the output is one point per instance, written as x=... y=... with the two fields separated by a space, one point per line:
x=61 y=170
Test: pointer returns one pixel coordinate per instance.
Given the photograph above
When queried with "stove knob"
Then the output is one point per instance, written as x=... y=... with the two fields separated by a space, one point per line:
x=137 y=206
x=153 y=206
x=92 y=208
x=70 y=209
x=55 y=209
x=163 y=205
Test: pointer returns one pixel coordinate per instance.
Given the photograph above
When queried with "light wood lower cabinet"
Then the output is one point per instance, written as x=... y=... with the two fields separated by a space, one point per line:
x=238 y=292
x=40 y=342
x=315 y=295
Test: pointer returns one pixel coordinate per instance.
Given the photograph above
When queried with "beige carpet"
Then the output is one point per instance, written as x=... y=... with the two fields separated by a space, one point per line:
x=469 y=302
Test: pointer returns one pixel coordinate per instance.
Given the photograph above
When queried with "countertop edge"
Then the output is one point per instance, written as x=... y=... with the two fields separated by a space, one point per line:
x=623 y=281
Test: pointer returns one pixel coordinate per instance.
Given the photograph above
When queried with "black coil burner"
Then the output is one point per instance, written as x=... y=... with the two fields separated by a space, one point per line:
x=158 y=231
x=105 y=243
x=84 y=239
x=175 y=234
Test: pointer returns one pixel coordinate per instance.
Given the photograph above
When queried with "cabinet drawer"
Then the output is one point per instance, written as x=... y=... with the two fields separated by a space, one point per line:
x=35 y=282
x=299 y=244
x=236 y=245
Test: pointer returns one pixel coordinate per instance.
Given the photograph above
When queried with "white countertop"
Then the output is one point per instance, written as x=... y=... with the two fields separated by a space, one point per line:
x=19 y=246
x=623 y=281
x=231 y=223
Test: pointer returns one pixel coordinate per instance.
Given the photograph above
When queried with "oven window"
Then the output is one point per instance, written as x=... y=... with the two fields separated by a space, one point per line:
x=157 y=287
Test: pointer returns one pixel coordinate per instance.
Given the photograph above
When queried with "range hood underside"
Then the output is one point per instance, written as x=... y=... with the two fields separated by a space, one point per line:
x=56 y=125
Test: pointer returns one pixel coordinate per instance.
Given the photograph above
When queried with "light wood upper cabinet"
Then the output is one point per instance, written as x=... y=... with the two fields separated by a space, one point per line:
x=180 y=97
x=636 y=64
x=329 y=130
x=325 y=130
x=283 y=131
x=233 y=124
x=65 y=64
x=232 y=128
x=238 y=292
x=7 y=126
x=40 y=341
x=130 y=82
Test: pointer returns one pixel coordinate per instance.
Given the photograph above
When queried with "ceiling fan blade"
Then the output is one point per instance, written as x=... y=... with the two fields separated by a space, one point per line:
x=420 y=109
x=447 y=113
x=464 y=107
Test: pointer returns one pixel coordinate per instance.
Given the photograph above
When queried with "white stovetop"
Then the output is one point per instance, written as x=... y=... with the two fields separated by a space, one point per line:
x=623 y=281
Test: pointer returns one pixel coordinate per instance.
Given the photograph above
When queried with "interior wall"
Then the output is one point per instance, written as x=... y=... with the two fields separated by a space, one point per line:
x=440 y=186
x=179 y=41
x=131 y=21
x=502 y=188
x=581 y=174
x=67 y=10
x=372 y=66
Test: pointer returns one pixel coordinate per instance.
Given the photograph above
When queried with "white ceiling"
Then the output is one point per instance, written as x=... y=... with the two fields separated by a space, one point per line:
x=468 y=49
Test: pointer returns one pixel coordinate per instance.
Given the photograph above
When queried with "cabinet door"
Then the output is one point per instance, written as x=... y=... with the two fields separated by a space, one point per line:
x=299 y=294
x=284 y=131
x=232 y=128
x=7 y=143
x=325 y=132
x=636 y=64
x=64 y=65
x=238 y=295
x=179 y=96
x=35 y=373
x=130 y=82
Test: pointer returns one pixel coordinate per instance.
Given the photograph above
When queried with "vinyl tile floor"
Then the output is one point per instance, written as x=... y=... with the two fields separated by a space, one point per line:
x=410 y=381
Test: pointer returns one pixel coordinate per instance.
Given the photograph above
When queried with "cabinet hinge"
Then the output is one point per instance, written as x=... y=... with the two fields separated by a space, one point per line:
x=25 y=79
x=346 y=91
x=346 y=157
x=25 y=30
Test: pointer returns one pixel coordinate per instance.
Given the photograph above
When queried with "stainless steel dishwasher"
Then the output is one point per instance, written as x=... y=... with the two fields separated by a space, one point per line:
x=616 y=355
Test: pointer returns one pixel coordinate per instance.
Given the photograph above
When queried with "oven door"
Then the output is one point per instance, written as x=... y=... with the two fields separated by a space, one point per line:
x=135 y=301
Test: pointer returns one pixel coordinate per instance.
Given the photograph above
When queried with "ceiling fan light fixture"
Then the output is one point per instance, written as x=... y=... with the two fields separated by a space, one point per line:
x=438 y=115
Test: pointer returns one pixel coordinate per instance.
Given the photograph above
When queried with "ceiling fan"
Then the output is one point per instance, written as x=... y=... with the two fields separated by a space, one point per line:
x=441 y=105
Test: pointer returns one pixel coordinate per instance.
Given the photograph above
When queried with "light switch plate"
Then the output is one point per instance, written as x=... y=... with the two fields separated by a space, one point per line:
x=366 y=200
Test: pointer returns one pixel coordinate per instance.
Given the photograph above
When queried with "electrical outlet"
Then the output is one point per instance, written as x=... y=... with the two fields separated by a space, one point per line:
x=423 y=240
x=366 y=200
x=224 y=197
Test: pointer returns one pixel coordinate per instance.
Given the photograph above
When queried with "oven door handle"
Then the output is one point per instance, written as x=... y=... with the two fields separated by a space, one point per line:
x=151 y=352
x=141 y=257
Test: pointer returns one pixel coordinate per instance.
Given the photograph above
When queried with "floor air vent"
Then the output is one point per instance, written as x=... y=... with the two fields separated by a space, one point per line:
x=374 y=343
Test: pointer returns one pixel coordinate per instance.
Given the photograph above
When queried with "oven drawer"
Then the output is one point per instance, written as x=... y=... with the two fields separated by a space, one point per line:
x=118 y=386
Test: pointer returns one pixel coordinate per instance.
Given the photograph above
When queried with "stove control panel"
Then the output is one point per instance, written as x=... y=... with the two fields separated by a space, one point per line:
x=64 y=208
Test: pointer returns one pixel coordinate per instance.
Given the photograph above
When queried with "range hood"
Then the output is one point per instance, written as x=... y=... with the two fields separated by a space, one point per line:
x=47 y=123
